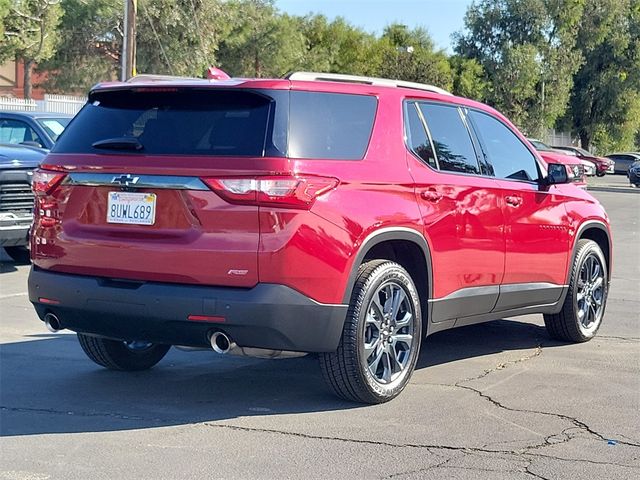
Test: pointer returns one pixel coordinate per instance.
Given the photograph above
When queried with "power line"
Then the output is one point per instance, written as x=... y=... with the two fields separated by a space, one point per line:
x=166 y=59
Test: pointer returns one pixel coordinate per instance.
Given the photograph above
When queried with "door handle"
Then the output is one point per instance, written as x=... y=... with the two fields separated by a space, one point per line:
x=431 y=195
x=513 y=200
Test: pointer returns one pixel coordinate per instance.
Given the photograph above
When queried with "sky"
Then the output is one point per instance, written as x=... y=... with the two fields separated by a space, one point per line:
x=440 y=17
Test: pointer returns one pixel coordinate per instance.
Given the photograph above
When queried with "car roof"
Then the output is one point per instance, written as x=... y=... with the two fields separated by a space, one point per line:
x=302 y=81
x=35 y=114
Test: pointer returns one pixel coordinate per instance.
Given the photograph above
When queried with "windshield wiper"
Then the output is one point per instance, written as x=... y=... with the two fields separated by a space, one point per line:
x=119 y=143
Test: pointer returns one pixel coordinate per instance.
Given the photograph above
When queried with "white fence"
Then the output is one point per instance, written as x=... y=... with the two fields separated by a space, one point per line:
x=51 y=103
x=63 y=104
x=9 y=103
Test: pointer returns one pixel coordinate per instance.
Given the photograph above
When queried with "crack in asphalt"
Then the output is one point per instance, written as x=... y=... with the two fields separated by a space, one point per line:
x=78 y=414
x=527 y=454
x=429 y=447
x=613 y=337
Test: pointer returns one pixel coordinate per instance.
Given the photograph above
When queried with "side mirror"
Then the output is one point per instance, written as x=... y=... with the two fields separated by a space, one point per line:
x=556 y=174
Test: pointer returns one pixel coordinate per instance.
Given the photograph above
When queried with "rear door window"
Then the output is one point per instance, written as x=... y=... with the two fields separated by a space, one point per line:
x=176 y=122
x=451 y=138
x=330 y=125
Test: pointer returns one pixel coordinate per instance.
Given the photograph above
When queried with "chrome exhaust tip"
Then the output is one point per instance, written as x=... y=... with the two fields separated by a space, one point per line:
x=221 y=343
x=52 y=322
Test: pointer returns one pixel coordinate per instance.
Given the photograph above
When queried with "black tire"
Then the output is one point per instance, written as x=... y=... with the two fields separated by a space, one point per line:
x=567 y=325
x=116 y=355
x=18 y=254
x=347 y=371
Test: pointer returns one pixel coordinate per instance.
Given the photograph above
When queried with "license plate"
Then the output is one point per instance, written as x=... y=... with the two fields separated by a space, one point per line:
x=131 y=208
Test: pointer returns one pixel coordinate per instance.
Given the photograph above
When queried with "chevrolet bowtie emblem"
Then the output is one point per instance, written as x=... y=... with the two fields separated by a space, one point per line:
x=125 y=180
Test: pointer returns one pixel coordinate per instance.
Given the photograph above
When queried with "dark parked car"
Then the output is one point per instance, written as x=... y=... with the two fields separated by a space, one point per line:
x=345 y=216
x=623 y=161
x=603 y=165
x=17 y=163
x=37 y=129
x=634 y=174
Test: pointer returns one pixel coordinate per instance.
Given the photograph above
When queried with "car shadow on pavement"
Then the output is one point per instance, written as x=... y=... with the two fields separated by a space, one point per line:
x=483 y=339
x=47 y=385
x=7 y=266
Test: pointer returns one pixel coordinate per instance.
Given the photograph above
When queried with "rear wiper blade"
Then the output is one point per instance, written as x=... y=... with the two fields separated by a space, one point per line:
x=119 y=143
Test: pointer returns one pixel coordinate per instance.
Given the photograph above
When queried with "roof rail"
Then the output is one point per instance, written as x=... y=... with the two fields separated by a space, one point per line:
x=158 y=78
x=338 y=77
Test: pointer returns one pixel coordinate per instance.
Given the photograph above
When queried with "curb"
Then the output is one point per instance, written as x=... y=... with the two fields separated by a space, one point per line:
x=613 y=189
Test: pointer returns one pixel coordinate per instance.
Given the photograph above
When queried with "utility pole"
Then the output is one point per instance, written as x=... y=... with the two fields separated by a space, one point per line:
x=129 y=40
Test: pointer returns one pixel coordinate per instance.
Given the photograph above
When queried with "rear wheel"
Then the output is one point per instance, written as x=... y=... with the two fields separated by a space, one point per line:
x=18 y=254
x=381 y=338
x=120 y=355
x=584 y=305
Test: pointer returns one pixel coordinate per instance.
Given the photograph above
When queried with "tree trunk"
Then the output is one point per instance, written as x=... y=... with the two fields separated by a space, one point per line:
x=28 y=67
x=585 y=139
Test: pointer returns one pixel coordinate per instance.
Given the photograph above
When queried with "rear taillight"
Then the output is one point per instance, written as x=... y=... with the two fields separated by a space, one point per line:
x=277 y=191
x=45 y=181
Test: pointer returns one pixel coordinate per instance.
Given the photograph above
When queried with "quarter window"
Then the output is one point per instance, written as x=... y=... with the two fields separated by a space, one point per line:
x=417 y=138
x=451 y=138
x=504 y=150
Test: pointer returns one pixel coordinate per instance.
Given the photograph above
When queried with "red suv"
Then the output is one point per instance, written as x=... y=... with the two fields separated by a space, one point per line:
x=346 y=216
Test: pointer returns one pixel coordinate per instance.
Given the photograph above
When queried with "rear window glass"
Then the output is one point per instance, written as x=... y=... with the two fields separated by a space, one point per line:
x=187 y=122
x=330 y=125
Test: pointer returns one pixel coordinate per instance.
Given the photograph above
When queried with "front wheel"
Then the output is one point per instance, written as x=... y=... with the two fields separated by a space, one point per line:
x=120 y=355
x=381 y=337
x=584 y=305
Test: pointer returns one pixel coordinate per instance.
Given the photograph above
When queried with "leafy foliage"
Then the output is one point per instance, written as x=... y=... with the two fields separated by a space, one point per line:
x=410 y=55
x=90 y=36
x=605 y=102
x=527 y=48
x=30 y=33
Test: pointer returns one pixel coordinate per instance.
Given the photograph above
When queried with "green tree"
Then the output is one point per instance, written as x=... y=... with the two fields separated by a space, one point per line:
x=605 y=103
x=261 y=43
x=531 y=43
x=468 y=78
x=337 y=47
x=411 y=55
x=4 y=11
x=179 y=37
x=90 y=36
x=30 y=32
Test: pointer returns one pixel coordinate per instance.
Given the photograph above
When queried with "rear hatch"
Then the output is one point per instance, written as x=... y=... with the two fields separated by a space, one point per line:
x=128 y=190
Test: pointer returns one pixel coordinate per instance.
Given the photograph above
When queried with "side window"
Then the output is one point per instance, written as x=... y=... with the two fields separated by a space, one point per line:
x=16 y=132
x=451 y=138
x=330 y=125
x=504 y=150
x=417 y=138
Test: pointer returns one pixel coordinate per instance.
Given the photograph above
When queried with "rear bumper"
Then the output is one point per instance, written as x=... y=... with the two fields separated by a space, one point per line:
x=14 y=233
x=266 y=316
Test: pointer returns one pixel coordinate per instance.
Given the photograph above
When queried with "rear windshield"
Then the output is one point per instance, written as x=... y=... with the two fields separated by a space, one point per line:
x=187 y=122
x=297 y=124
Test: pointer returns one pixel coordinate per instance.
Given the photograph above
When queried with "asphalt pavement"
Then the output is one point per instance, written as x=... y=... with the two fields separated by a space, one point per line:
x=497 y=401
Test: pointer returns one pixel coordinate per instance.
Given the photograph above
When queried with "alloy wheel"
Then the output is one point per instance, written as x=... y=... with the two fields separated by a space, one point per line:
x=590 y=292
x=388 y=332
